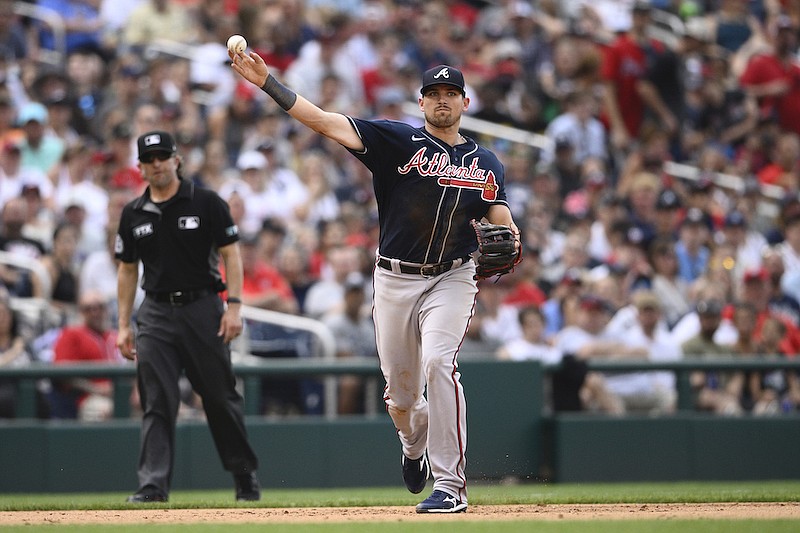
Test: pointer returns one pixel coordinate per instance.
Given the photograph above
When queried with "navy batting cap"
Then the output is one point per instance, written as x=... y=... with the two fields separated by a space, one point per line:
x=443 y=74
x=156 y=141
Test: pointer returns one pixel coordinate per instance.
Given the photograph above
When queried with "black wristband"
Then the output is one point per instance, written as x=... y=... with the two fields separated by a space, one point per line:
x=233 y=300
x=284 y=96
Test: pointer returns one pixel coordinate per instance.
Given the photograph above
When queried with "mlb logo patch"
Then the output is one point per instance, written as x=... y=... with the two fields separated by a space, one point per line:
x=192 y=222
x=150 y=140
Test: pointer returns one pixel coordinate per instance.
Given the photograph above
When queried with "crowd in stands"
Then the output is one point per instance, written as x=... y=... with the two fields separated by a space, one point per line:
x=622 y=259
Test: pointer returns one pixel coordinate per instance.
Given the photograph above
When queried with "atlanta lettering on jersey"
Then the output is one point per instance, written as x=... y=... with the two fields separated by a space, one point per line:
x=471 y=177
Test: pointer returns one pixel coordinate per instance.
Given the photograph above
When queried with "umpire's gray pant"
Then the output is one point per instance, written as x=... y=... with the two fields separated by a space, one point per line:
x=175 y=338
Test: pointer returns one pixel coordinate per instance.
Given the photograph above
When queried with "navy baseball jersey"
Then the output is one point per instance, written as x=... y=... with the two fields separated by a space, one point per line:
x=427 y=191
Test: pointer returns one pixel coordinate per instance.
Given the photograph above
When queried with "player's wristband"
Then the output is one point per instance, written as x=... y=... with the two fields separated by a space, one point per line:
x=284 y=96
x=233 y=300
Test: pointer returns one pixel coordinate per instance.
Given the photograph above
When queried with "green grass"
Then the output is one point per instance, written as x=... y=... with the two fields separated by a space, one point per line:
x=480 y=494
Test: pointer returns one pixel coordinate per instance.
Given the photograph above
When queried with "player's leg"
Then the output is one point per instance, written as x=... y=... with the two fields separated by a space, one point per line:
x=397 y=334
x=444 y=316
x=158 y=370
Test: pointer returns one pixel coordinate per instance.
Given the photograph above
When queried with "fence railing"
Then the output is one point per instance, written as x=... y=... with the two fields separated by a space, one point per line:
x=256 y=369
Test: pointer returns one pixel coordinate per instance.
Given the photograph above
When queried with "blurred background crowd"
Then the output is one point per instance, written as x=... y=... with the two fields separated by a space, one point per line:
x=658 y=200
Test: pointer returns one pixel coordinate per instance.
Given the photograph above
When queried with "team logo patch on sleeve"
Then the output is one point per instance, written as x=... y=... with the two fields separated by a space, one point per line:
x=230 y=231
x=191 y=222
x=119 y=247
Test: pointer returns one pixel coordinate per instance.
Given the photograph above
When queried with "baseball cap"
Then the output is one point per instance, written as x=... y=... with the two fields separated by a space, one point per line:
x=443 y=74
x=755 y=274
x=591 y=302
x=251 y=159
x=645 y=299
x=708 y=307
x=33 y=112
x=668 y=199
x=735 y=219
x=156 y=141
x=696 y=216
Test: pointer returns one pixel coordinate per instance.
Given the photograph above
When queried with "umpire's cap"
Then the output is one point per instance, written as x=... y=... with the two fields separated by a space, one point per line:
x=156 y=141
x=443 y=74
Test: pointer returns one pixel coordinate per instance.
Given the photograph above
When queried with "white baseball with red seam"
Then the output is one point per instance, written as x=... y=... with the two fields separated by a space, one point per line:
x=237 y=43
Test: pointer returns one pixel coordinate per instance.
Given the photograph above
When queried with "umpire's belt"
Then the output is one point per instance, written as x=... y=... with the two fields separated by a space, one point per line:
x=179 y=297
x=429 y=271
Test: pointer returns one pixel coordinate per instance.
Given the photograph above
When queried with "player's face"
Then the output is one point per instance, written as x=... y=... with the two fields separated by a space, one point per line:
x=443 y=105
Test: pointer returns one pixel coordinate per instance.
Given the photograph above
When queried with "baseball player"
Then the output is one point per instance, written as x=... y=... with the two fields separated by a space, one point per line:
x=179 y=231
x=430 y=182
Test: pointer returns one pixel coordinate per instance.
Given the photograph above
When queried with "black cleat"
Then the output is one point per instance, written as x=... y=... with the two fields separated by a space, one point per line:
x=441 y=502
x=247 y=487
x=147 y=495
x=416 y=473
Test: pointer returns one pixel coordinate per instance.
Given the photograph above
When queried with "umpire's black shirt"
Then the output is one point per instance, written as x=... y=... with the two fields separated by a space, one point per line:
x=177 y=240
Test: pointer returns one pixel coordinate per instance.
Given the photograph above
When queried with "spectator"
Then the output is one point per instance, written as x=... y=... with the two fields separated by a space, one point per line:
x=13 y=353
x=62 y=267
x=92 y=340
x=784 y=169
x=562 y=296
x=650 y=392
x=40 y=149
x=98 y=274
x=19 y=282
x=588 y=339
x=152 y=19
x=327 y=294
x=320 y=203
x=691 y=249
x=355 y=338
x=624 y=67
x=82 y=24
x=769 y=77
x=747 y=244
x=718 y=392
x=579 y=124
x=13 y=177
x=263 y=286
x=671 y=290
x=667 y=217
x=532 y=343
x=777 y=391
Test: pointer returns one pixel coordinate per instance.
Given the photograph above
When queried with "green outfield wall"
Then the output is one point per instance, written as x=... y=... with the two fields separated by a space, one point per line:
x=511 y=434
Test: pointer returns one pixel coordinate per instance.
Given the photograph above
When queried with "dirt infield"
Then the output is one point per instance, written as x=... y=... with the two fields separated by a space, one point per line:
x=731 y=511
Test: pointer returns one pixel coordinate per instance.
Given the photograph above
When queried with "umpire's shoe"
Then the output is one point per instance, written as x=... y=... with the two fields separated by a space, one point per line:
x=441 y=502
x=416 y=473
x=247 y=487
x=147 y=494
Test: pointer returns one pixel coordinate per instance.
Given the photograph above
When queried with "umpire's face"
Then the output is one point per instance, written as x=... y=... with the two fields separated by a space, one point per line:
x=159 y=168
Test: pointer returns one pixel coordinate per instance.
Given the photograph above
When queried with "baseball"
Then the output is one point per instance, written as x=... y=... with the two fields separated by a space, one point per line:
x=236 y=44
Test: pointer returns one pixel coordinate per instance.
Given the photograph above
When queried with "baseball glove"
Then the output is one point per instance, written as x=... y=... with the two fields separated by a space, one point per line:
x=497 y=249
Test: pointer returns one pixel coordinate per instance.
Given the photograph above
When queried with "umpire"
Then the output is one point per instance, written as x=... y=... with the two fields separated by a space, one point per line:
x=178 y=231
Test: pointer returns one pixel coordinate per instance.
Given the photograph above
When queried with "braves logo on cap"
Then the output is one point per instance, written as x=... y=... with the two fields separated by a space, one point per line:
x=444 y=73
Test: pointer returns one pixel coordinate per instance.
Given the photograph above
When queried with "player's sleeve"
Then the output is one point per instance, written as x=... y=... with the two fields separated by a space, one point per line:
x=124 y=243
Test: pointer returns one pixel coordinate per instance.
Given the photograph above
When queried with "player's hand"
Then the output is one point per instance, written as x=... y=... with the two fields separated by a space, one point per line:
x=230 y=326
x=251 y=67
x=125 y=343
